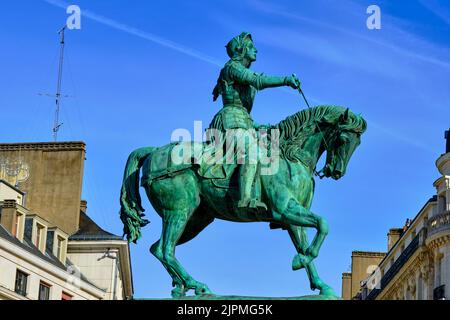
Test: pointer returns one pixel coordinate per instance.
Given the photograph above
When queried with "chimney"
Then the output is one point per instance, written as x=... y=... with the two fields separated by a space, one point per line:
x=83 y=206
x=393 y=235
x=447 y=136
x=8 y=215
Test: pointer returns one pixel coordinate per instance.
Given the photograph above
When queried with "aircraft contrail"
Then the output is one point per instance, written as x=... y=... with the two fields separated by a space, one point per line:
x=139 y=33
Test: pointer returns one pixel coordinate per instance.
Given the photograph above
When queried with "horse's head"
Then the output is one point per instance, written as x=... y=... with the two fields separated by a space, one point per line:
x=344 y=136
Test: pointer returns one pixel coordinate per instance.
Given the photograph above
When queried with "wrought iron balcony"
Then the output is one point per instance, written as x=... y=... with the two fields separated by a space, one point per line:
x=395 y=268
x=439 y=223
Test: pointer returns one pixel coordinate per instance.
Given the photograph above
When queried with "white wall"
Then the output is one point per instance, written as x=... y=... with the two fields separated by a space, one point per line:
x=100 y=272
x=13 y=258
x=8 y=193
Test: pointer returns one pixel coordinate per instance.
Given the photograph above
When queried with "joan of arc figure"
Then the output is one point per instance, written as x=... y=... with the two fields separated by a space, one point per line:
x=237 y=85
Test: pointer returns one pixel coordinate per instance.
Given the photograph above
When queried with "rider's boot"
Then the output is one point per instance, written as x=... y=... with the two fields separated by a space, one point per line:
x=247 y=174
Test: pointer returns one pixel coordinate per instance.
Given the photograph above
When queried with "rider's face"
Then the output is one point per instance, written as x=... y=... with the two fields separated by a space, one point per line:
x=251 y=51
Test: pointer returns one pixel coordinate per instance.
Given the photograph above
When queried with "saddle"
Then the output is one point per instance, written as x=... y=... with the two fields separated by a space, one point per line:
x=174 y=158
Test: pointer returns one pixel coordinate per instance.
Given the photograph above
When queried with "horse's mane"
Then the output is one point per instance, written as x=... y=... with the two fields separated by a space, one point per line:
x=295 y=128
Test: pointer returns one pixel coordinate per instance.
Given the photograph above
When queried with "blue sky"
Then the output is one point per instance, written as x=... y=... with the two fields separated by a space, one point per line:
x=138 y=70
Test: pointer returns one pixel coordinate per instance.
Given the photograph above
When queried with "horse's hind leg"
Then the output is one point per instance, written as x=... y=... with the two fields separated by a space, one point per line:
x=178 y=283
x=175 y=199
x=300 y=241
x=174 y=224
x=199 y=220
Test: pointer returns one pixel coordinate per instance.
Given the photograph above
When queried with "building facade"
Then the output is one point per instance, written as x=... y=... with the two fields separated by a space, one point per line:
x=417 y=263
x=50 y=249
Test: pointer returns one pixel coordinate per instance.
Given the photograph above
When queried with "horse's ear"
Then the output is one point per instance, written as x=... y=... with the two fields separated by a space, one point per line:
x=344 y=117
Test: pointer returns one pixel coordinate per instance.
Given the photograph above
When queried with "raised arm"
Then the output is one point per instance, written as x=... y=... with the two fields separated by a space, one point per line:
x=240 y=74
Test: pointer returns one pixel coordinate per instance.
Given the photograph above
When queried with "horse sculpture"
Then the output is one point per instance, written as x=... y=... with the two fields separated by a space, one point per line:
x=188 y=202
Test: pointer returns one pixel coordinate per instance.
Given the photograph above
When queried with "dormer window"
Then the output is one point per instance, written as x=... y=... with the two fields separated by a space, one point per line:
x=57 y=243
x=59 y=247
x=36 y=231
x=39 y=237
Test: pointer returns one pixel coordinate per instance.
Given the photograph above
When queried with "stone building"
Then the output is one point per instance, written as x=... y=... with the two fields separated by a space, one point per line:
x=49 y=247
x=417 y=263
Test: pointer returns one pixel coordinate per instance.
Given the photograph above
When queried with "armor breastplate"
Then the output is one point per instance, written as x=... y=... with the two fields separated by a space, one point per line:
x=236 y=94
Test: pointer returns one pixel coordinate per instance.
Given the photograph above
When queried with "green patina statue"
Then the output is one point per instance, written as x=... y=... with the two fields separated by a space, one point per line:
x=237 y=85
x=189 y=195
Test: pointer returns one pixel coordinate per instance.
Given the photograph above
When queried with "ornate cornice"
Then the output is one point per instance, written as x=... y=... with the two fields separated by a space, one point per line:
x=368 y=254
x=443 y=163
x=421 y=262
x=439 y=241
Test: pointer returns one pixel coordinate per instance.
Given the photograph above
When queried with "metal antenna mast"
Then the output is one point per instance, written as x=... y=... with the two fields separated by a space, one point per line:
x=56 y=124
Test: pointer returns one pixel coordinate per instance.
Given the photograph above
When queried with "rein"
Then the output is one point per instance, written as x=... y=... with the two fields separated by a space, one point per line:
x=319 y=173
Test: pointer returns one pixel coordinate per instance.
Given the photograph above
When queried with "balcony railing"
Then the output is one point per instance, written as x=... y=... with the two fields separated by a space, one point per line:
x=395 y=268
x=439 y=223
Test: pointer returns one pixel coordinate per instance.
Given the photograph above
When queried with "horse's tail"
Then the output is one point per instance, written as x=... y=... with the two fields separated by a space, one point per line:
x=131 y=211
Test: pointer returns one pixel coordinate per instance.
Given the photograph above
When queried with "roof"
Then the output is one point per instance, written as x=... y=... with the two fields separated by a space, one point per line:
x=47 y=146
x=12 y=187
x=27 y=245
x=430 y=200
x=89 y=230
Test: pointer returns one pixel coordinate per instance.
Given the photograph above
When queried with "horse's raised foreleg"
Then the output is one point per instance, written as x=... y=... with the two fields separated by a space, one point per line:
x=292 y=213
x=300 y=241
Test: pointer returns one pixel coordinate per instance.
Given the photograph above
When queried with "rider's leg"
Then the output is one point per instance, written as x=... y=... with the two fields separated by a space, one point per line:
x=247 y=158
x=247 y=174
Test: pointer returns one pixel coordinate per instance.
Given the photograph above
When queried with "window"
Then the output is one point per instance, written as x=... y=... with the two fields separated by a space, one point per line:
x=59 y=248
x=28 y=228
x=50 y=239
x=21 y=283
x=38 y=235
x=66 y=296
x=440 y=273
x=44 y=291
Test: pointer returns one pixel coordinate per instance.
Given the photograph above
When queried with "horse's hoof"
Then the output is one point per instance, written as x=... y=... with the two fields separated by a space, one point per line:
x=202 y=291
x=327 y=291
x=178 y=292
